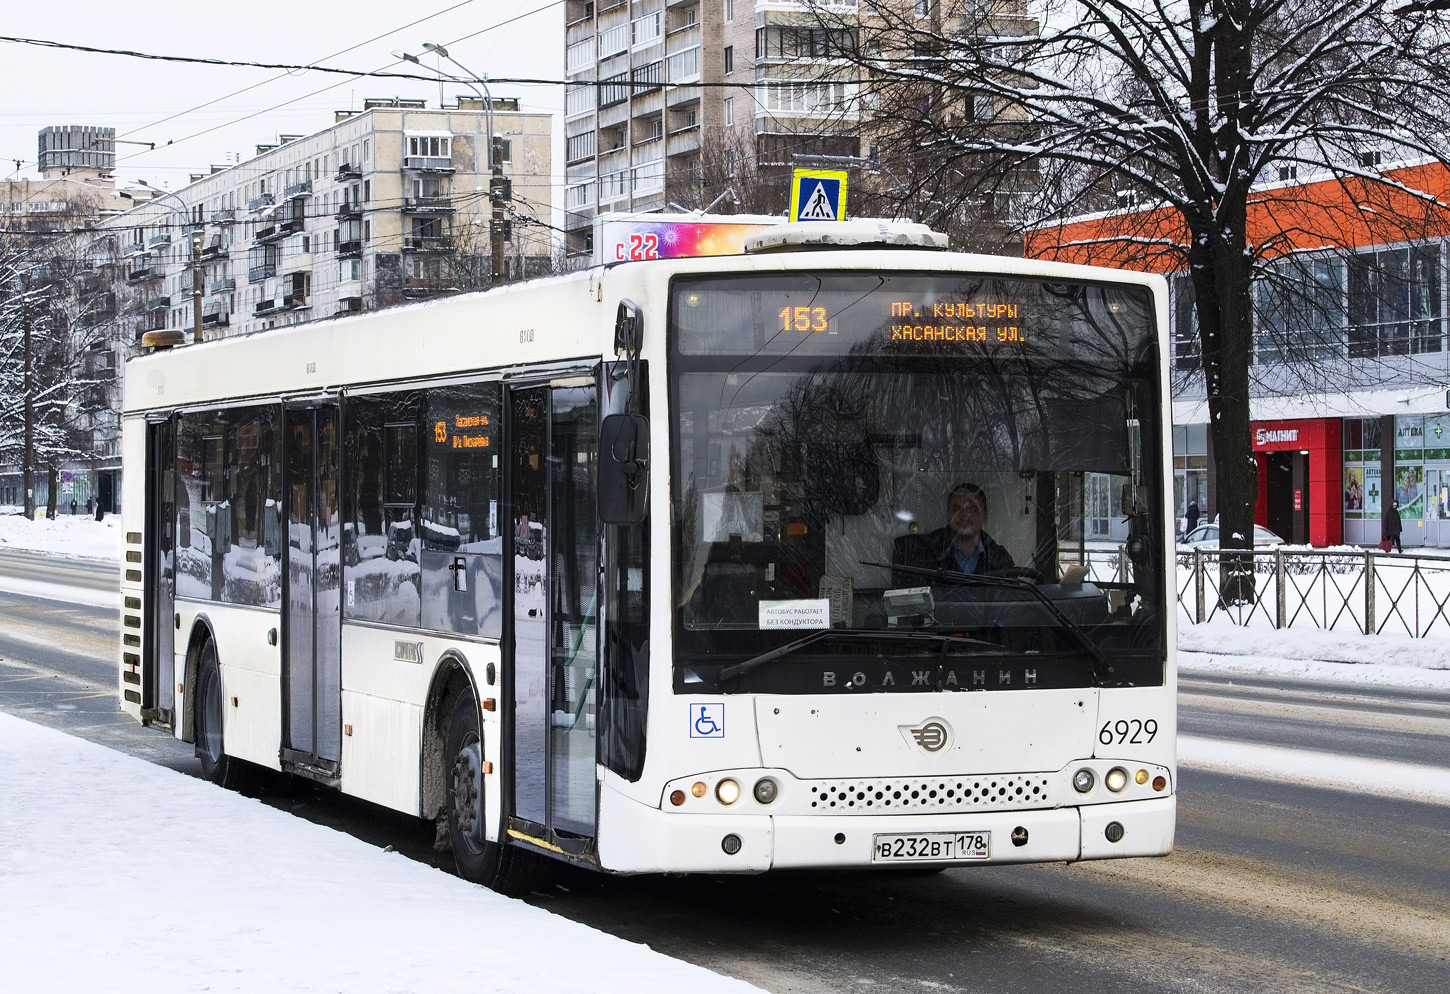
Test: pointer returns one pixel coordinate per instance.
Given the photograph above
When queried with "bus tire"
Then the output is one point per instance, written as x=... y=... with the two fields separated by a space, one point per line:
x=506 y=869
x=216 y=765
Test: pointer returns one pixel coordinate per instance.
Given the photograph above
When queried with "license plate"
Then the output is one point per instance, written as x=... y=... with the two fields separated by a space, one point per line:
x=931 y=847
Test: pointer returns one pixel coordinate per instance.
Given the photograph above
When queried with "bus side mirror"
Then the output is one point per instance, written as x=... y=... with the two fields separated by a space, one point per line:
x=623 y=468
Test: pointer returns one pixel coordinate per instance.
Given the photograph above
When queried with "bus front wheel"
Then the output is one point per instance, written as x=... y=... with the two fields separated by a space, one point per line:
x=506 y=869
x=216 y=765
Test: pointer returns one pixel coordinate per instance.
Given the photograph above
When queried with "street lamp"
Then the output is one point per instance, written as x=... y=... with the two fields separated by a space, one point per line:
x=197 y=235
x=494 y=145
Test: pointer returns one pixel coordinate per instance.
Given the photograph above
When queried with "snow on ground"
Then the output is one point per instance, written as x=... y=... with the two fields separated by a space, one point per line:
x=118 y=875
x=1315 y=655
x=77 y=535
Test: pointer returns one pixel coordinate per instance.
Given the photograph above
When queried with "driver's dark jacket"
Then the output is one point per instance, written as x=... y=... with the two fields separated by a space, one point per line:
x=934 y=550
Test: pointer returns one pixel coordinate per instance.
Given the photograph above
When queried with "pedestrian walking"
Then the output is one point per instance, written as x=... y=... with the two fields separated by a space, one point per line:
x=1392 y=526
x=1190 y=517
x=74 y=505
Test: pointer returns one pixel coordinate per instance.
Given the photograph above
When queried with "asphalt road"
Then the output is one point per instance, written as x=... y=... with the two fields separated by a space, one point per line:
x=1273 y=886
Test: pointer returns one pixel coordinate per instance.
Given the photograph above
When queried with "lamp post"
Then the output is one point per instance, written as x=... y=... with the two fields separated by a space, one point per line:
x=497 y=272
x=197 y=235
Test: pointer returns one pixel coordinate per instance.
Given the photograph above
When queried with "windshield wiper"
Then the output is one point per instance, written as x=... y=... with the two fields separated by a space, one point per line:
x=1098 y=663
x=742 y=668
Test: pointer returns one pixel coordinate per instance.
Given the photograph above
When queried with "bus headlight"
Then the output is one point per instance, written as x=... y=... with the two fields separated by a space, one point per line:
x=727 y=791
x=1083 y=780
x=1116 y=779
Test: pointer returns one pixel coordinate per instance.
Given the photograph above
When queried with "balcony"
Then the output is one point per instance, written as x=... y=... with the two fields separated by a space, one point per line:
x=266 y=307
x=224 y=286
x=135 y=248
x=159 y=241
x=349 y=305
x=268 y=234
x=215 y=318
x=213 y=251
x=349 y=210
x=228 y=216
x=427 y=164
x=296 y=301
x=298 y=190
x=427 y=243
x=348 y=171
x=266 y=271
x=290 y=226
x=428 y=205
x=260 y=203
x=158 y=303
x=142 y=274
x=349 y=250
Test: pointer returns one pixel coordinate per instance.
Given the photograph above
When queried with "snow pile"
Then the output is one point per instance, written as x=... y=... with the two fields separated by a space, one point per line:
x=79 y=535
x=117 y=875
x=1314 y=654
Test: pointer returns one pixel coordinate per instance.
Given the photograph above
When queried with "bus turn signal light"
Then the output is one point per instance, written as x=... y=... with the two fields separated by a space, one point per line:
x=677 y=797
x=1160 y=782
x=1141 y=777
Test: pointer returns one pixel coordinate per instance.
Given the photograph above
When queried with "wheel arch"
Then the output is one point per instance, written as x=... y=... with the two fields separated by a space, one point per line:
x=201 y=633
x=451 y=677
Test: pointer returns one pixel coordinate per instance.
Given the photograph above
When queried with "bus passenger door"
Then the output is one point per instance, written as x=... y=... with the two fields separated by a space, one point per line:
x=159 y=671
x=311 y=623
x=554 y=569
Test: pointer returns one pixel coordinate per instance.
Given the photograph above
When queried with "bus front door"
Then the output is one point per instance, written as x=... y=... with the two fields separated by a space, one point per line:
x=311 y=624
x=554 y=569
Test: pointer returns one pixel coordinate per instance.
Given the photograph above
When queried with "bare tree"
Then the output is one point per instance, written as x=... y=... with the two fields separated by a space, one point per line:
x=1186 y=106
x=43 y=399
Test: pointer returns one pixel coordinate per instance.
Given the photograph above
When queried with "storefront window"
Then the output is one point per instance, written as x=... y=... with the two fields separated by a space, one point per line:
x=1190 y=469
x=1361 y=480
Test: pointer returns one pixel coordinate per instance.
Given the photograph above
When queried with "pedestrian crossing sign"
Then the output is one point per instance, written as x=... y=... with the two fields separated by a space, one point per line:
x=818 y=195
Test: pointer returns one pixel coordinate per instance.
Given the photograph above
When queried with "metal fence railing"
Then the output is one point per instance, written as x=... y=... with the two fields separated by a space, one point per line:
x=1366 y=592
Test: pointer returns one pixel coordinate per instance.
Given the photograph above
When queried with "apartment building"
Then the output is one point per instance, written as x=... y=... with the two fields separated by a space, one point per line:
x=707 y=104
x=387 y=204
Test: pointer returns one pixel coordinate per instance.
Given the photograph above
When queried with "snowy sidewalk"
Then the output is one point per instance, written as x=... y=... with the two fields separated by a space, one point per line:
x=117 y=875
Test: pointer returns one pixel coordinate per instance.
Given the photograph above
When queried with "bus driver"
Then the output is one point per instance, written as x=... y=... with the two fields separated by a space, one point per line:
x=962 y=545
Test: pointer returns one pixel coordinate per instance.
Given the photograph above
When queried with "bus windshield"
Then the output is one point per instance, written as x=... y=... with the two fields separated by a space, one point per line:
x=864 y=462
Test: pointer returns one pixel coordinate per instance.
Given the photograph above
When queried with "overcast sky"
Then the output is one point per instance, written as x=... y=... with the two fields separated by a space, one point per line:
x=199 y=115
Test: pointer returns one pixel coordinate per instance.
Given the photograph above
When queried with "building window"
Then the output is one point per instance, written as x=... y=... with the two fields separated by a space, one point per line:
x=1394 y=302
x=433 y=146
x=729 y=59
x=923 y=8
x=1186 y=354
x=729 y=110
x=1297 y=310
x=729 y=6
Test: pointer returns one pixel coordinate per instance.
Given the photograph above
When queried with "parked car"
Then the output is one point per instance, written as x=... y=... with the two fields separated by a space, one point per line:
x=1206 y=537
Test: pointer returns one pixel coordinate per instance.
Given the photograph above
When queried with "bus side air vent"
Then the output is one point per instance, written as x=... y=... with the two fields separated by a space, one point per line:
x=874 y=233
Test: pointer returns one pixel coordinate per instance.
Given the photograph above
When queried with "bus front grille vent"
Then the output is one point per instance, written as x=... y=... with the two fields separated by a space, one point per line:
x=940 y=794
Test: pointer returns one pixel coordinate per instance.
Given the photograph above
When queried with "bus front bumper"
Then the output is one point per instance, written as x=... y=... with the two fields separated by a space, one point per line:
x=637 y=839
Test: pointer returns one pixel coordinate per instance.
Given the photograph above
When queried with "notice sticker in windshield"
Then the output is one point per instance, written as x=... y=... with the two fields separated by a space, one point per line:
x=813 y=613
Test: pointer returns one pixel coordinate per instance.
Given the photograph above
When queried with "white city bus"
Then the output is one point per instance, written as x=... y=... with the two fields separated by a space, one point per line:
x=648 y=568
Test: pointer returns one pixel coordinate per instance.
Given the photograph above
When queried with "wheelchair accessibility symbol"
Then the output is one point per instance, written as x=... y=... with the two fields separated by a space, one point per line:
x=707 y=721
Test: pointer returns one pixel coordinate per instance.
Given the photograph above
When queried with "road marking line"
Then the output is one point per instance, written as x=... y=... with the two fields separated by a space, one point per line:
x=1380 y=777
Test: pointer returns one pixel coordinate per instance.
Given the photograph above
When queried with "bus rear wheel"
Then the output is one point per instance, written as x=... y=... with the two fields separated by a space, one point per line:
x=503 y=868
x=216 y=765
